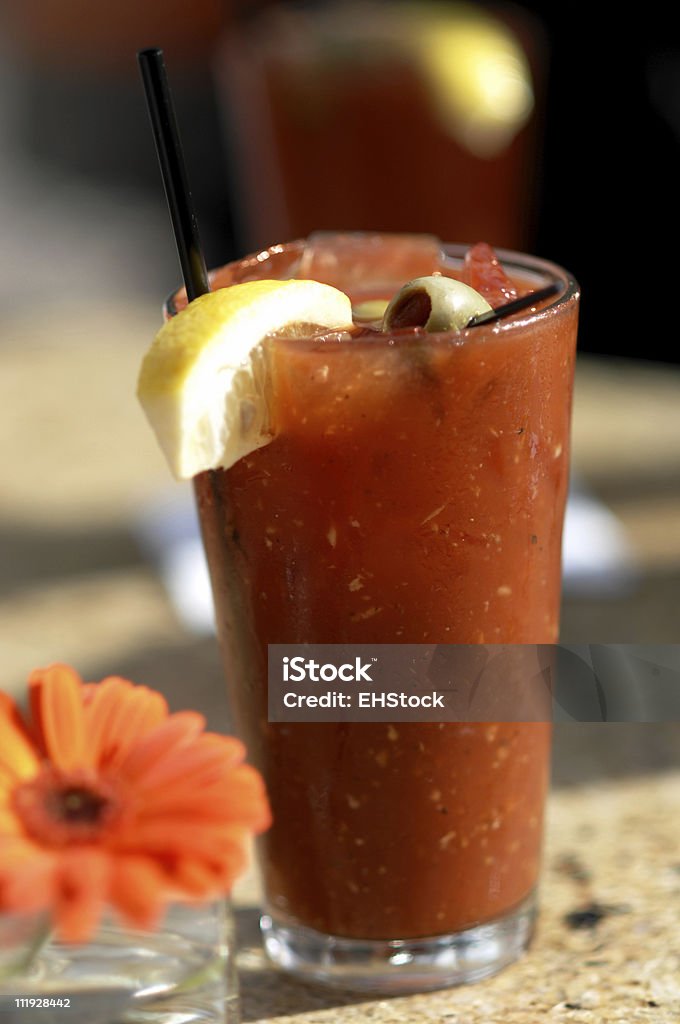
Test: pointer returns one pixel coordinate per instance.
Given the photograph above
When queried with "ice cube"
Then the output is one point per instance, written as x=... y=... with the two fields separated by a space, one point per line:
x=360 y=262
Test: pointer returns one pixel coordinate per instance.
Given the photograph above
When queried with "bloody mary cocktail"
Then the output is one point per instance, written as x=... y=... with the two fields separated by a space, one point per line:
x=413 y=492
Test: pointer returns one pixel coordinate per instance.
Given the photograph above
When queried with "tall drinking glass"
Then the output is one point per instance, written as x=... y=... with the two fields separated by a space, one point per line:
x=413 y=493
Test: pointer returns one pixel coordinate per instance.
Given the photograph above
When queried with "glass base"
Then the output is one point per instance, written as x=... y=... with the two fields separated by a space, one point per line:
x=181 y=974
x=400 y=965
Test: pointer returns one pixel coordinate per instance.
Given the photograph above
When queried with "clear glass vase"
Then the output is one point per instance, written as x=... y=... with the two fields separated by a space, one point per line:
x=180 y=973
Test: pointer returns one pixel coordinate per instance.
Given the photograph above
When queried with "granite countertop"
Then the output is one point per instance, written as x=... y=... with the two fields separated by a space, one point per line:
x=74 y=586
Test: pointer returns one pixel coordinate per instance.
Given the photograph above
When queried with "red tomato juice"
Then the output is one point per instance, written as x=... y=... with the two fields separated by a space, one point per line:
x=413 y=493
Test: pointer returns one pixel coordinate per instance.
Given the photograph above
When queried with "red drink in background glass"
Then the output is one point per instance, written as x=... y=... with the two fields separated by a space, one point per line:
x=413 y=493
x=348 y=114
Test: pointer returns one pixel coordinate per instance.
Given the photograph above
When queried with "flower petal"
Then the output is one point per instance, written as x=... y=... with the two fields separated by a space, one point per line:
x=18 y=757
x=232 y=749
x=138 y=888
x=237 y=797
x=81 y=886
x=26 y=876
x=201 y=877
x=177 y=837
x=9 y=825
x=162 y=742
x=119 y=714
x=57 y=704
x=193 y=765
x=198 y=879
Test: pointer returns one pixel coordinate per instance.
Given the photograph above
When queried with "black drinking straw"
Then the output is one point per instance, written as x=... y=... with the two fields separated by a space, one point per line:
x=515 y=305
x=173 y=171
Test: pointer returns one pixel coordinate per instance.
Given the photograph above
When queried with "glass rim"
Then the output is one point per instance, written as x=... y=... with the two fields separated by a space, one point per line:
x=523 y=263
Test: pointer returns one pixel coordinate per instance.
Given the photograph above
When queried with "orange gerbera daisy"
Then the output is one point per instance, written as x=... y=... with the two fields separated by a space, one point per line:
x=108 y=799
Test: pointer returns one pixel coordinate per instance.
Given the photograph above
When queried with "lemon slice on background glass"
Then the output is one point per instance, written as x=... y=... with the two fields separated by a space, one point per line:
x=203 y=383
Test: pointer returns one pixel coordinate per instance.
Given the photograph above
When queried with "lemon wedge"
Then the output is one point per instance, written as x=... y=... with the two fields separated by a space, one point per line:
x=203 y=383
x=478 y=75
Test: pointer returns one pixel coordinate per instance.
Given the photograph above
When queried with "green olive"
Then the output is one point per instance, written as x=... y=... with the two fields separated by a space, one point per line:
x=435 y=303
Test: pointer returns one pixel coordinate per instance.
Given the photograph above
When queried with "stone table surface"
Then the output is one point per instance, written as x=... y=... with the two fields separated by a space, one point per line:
x=78 y=465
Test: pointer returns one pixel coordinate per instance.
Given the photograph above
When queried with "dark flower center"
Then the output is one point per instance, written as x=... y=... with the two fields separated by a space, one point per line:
x=58 y=810
x=77 y=804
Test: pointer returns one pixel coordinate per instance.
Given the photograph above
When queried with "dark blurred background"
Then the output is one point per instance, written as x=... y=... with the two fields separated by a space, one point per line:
x=523 y=124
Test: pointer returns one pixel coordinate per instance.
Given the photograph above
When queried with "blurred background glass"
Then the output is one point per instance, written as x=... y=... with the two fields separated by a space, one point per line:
x=410 y=116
